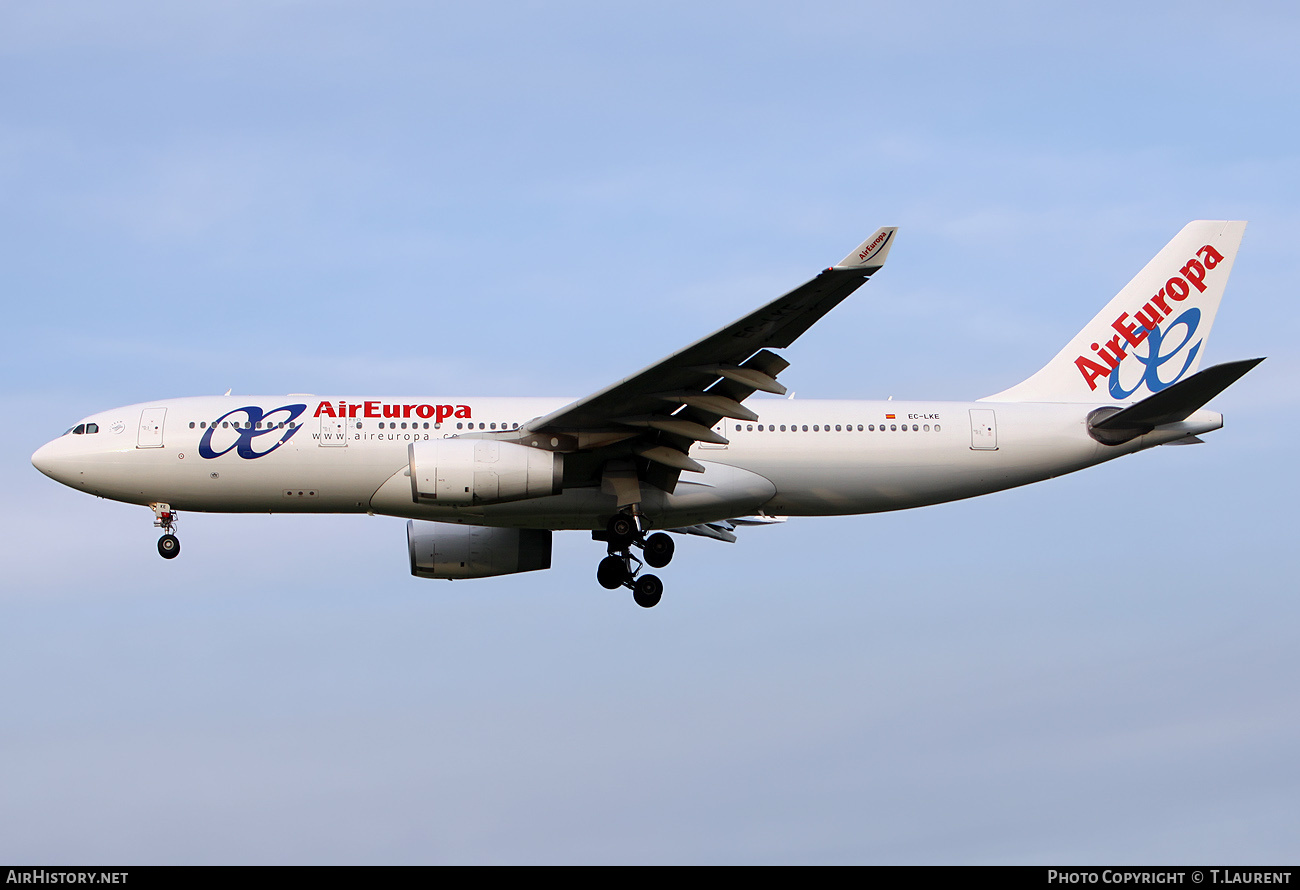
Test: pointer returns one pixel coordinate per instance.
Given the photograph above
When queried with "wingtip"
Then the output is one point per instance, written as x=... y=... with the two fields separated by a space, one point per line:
x=870 y=254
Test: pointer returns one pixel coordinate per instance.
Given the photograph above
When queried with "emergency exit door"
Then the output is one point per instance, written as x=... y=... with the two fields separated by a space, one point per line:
x=983 y=429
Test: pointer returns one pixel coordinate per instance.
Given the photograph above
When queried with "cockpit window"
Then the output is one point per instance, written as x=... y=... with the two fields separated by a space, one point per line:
x=92 y=428
x=78 y=429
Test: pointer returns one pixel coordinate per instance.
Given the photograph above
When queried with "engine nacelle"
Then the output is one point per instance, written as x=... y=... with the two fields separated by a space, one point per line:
x=464 y=472
x=450 y=550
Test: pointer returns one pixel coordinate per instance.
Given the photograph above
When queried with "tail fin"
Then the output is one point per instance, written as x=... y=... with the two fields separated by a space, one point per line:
x=1152 y=334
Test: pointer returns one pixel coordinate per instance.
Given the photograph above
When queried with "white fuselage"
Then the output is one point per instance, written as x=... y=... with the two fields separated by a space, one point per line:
x=284 y=454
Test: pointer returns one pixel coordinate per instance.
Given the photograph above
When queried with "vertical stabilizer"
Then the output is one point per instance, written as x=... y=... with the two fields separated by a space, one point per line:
x=1152 y=334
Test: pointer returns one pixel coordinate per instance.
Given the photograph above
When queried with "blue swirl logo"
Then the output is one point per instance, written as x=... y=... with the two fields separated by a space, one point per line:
x=253 y=425
x=1155 y=356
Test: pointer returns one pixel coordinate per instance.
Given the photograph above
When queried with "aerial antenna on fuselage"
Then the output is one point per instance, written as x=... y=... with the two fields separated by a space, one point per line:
x=227 y=392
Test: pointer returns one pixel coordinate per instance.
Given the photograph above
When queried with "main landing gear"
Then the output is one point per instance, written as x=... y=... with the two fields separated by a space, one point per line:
x=169 y=546
x=616 y=570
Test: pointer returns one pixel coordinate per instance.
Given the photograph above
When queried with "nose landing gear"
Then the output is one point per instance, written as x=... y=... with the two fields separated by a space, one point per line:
x=622 y=533
x=169 y=546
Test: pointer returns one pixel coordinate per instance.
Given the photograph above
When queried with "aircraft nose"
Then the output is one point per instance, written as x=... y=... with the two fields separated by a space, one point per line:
x=46 y=460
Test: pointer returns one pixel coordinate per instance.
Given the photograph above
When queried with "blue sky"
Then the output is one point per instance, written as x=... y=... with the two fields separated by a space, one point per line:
x=537 y=199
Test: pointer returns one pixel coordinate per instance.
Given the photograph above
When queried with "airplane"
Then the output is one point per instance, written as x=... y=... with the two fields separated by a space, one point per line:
x=484 y=482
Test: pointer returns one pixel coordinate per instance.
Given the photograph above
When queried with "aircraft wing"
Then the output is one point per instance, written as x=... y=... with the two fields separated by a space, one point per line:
x=658 y=413
x=725 y=529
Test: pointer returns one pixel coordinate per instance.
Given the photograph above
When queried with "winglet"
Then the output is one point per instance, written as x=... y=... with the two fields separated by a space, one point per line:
x=870 y=254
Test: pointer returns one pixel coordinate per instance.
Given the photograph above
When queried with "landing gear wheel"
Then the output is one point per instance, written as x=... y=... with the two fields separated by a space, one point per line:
x=621 y=531
x=659 y=550
x=169 y=546
x=611 y=573
x=647 y=591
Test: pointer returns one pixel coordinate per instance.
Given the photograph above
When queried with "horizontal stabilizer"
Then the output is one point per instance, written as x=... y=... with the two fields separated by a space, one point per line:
x=1180 y=401
x=1169 y=405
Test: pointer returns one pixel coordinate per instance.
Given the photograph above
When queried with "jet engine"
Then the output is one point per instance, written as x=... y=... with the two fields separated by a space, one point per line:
x=450 y=550
x=463 y=472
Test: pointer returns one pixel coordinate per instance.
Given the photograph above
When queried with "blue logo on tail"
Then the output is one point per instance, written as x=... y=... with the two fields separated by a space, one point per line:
x=1154 y=358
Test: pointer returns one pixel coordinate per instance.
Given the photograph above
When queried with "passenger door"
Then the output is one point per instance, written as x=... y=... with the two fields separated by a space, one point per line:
x=151 y=428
